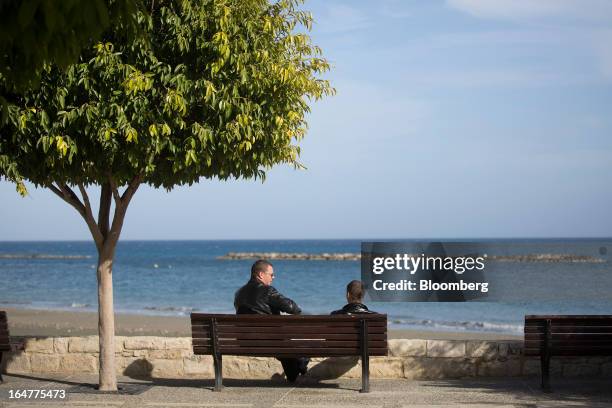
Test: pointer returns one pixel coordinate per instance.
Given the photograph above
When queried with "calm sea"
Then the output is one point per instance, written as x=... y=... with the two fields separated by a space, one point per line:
x=177 y=277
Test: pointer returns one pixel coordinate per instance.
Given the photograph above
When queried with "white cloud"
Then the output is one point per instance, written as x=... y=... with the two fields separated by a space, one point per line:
x=536 y=9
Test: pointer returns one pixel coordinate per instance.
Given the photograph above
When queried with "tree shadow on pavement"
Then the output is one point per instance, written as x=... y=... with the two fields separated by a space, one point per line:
x=574 y=392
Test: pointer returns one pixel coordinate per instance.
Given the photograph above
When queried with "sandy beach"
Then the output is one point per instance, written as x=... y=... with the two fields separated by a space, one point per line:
x=32 y=322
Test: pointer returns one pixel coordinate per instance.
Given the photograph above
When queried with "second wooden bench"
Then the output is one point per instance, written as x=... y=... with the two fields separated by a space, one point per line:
x=568 y=335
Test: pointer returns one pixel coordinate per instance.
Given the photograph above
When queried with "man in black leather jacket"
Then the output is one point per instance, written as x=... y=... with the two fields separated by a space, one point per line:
x=259 y=297
x=354 y=297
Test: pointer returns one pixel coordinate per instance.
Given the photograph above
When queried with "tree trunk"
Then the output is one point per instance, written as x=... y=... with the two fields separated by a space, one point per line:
x=106 y=240
x=106 y=320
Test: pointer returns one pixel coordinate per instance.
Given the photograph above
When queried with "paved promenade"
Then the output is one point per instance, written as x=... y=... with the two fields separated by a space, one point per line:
x=479 y=393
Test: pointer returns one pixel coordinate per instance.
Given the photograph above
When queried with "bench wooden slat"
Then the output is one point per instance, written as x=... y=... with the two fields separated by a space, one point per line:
x=289 y=343
x=299 y=352
x=200 y=331
x=277 y=323
x=566 y=323
x=570 y=337
x=285 y=341
x=568 y=317
x=326 y=328
x=280 y=336
x=305 y=353
x=261 y=317
x=571 y=329
x=291 y=333
x=297 y=330
x=196 y=336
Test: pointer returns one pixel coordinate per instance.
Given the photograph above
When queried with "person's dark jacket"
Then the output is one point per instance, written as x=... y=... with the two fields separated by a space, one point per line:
x=257 y=298
x=353 y=308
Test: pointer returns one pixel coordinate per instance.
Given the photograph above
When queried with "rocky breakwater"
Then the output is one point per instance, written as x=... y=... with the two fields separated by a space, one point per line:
x=295 y=256
x=43 y=256
x=349 y=256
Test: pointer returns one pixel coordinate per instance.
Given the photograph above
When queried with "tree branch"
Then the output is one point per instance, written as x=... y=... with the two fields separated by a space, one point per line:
x=121 y=209
x=131 y=189
x=115 y=190
x=90 y=220
x=56 y=190
x=86 y=202
x=66 y=194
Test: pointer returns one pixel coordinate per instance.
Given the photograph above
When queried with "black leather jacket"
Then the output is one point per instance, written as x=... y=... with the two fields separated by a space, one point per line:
x=257 y=298
x=353 y=308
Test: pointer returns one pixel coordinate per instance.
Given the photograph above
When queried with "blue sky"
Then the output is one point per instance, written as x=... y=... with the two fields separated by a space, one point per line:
x=453 y=119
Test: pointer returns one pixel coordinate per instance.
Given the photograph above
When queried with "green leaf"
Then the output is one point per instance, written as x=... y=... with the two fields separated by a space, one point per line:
x=131 y=135
x=166 y=131
x=153 y=130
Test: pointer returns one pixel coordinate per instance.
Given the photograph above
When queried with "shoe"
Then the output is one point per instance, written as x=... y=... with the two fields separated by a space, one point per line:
x=276 y=377
x=303 y=366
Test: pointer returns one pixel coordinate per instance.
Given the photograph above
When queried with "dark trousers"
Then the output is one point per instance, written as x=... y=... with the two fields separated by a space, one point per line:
x=293 y=367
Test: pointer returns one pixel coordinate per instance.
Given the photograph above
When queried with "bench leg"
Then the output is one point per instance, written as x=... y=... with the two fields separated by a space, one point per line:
x=365 y=374
x=218 y=362
x=545 y=368
x=1 y=380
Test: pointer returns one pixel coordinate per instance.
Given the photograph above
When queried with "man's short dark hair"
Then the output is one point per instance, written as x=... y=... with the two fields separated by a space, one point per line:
x=260 y=265
x=355 y=290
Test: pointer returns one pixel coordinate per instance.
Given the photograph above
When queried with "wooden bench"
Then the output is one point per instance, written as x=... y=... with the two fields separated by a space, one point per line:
x=573 y=335
x=289 y=336
x=4 y=339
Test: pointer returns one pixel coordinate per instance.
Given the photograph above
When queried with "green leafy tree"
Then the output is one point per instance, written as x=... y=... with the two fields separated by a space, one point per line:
x=36 y=32
x=213 y=89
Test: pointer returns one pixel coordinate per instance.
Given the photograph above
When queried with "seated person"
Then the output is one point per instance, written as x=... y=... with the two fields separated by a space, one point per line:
x=258 y=296
x=354 y=297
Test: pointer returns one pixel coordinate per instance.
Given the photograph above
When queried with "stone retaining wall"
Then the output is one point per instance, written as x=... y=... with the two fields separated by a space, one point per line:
x=166 y=357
